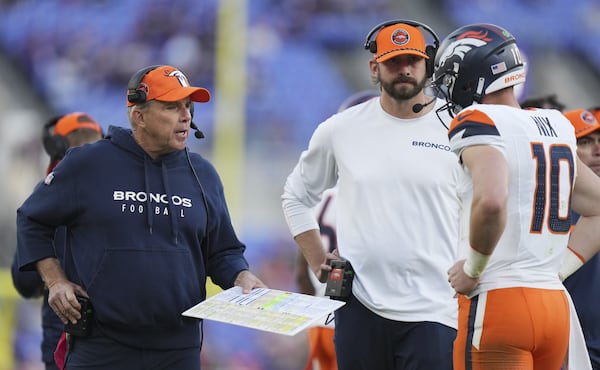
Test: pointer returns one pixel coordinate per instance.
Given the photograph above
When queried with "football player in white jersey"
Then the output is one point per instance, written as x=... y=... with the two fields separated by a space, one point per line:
x=520 y=176
x=396 y=210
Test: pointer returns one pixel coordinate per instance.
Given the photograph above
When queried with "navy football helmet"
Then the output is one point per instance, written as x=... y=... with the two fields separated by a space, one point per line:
x=476 y=60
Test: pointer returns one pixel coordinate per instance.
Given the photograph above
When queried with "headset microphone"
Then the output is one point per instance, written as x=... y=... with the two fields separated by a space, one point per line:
x=198 y=134
x=419 y=107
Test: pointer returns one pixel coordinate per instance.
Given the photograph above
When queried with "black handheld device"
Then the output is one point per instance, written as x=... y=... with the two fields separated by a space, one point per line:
x=339 y=281
x=83 y=326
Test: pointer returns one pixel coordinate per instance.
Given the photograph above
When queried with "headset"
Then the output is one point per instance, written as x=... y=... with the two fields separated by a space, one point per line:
x=55 y=145
x=430 y=50
x=135 y=95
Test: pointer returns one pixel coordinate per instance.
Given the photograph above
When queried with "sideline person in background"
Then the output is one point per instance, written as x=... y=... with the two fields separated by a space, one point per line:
x=321 y=354
x=147 y=223
x=59 y=134
x=397 y=225
x=584 y=284
x=520 y=172
x=549 y=101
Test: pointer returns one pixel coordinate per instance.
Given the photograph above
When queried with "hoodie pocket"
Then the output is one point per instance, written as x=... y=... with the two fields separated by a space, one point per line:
x=145 y=287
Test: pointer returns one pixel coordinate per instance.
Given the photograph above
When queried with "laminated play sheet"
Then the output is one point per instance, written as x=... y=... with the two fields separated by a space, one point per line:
x=264 y=309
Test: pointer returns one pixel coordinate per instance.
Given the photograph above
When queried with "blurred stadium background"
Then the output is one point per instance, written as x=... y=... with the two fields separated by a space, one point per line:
x=276 y=69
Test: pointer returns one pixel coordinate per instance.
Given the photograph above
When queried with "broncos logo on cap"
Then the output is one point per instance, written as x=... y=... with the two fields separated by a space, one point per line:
x=400 y=37
x=588 y=118
x=181 y=77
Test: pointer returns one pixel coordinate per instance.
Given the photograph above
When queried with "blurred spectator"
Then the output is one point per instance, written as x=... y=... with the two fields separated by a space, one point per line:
x=549 y=101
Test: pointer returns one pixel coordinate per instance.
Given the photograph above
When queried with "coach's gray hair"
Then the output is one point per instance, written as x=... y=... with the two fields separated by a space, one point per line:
x=141 y=106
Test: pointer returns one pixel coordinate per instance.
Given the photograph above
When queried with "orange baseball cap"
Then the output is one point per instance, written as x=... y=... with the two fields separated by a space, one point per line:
x=584 y=122
x=399 y=39
x=168 y=84
x=75 y=121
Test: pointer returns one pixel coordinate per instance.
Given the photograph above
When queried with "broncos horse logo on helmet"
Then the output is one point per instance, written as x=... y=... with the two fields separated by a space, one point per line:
x=476 y=60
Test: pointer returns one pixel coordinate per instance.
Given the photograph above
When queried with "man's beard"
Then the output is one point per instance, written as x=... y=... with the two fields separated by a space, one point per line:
x=403 y=92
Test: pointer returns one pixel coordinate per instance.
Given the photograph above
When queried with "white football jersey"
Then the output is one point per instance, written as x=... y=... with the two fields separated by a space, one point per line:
x=540 y=148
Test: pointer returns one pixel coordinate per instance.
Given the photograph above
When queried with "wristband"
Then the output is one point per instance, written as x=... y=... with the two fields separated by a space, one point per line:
x=475 y=263
x=571 y=263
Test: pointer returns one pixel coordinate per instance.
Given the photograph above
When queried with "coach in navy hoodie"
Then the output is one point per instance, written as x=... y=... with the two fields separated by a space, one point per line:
x=147 y=223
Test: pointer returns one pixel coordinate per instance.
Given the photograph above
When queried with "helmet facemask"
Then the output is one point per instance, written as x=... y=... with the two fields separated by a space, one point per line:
x=444 y=83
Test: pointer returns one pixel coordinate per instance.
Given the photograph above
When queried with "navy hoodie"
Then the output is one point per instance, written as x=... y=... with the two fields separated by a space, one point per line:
x=136 y=228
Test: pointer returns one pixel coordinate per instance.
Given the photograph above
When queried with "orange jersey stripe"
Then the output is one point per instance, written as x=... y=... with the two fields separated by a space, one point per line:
x=473 y=122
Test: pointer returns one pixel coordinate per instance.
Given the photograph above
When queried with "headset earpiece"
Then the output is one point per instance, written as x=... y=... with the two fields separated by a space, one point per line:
x=135 y=95
x=429 y=63
x=430 y=50
x=372 y=46
x=55 y=145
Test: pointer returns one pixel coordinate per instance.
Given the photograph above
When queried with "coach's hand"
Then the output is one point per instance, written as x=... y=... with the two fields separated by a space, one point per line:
x=248 y=281
x=62 y=299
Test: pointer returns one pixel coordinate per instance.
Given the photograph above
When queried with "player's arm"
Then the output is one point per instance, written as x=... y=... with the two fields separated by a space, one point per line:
x=489 y=172
x=584 y=241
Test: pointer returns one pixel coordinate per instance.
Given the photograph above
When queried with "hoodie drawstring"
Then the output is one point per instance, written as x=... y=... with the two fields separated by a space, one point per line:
x=171 y=210
x=147 y=189
x=174 y=224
